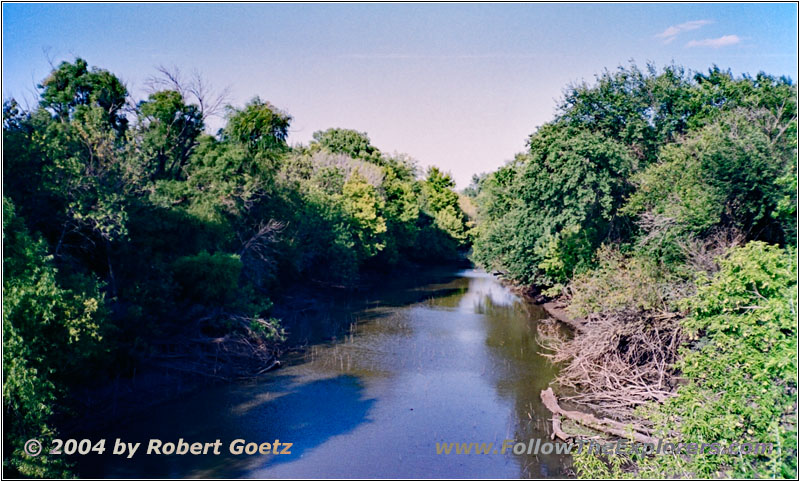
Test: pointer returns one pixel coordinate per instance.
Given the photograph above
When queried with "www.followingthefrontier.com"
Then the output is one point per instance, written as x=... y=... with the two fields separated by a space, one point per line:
x=620 y=447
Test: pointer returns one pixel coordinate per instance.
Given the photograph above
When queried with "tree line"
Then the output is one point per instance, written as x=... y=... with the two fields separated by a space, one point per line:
x=125 y=222
x=659 y=206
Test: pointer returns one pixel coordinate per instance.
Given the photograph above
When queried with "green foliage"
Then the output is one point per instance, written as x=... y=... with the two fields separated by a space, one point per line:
x=83 y=169
x=451 y=220
x=475 y=185
x=208 y=278
x=566 y=253
x=437 y=190
x=551 y=209
x=401 y=211
x=346 y=141
x=442 y=203
x=591 y=466
x=50 y=332
x=634 y=108
x=363 y=204
x=73 y=86
x=619 y=282
x=368 y=211
x=680 y=156
x=727 y=174
x=741 y=368
x=258 y=126
x=637 y=185
x=169 y=130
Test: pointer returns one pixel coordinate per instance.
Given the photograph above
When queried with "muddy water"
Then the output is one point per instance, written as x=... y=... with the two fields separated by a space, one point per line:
x=449 y=361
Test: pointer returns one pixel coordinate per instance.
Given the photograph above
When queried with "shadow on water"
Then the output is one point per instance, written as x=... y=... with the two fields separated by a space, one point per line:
x=317 y=319
x=288 y=411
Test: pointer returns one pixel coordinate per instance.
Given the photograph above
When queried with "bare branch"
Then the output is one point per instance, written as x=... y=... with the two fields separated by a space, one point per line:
x=194 y=88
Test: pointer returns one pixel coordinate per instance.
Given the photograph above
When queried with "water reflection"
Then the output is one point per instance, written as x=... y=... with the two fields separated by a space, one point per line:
x=483 y=289
x=450 y=361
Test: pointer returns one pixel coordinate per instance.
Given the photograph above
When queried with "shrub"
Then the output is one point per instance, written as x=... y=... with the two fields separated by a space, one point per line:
x=50 y=333
x=619 y=282
x=741 y=368
x=208 y=278
x=727 y=174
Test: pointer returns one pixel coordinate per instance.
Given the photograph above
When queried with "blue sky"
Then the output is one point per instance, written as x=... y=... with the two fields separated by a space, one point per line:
x=460 y=86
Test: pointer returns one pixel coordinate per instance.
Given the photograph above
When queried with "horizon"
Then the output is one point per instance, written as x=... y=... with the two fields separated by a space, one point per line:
x=460 y=86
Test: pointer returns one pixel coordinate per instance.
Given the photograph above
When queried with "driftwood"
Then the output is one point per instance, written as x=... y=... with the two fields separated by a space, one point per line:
x=603 y=425
x=557 y=432
x=274 y=364
x=557 y=311
x=621 y=360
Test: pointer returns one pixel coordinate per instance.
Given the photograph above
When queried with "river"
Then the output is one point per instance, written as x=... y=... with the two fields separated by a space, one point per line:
x=451 y=359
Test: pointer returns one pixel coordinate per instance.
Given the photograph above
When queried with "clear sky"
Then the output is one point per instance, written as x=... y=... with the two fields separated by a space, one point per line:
x=460 y=86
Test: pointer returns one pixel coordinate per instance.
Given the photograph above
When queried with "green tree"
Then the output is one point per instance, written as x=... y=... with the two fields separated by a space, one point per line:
x=73 y=86
x=259 y=126
x=169 y=129
x=363 y=204
x=346 y=141
x=727 y=174
x=549 y=211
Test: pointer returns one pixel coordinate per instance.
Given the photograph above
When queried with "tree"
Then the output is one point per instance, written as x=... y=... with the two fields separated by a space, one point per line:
x=259 y=126
x=438 y=190
x=73 y=85
x=363 y=204
x=346 y=141
x=572 y=181
x=49 y=333
x=728 y=174
x=169 y=130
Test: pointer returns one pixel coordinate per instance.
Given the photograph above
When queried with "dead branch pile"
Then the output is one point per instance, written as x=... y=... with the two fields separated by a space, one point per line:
x=618 y=361
x=241 y=353
x=702 y=253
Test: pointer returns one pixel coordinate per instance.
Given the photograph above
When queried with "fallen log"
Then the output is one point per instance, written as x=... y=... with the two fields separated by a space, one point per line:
x=556 y=310
x=274 y=364
x=557 y=432
x=605 y=425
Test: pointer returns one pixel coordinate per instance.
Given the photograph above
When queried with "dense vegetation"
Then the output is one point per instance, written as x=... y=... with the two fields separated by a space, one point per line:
x=125 y=224
x=660 y=207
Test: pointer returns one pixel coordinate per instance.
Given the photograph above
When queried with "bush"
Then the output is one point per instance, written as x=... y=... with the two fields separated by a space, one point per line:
x=547 y=213
x=741 y=368
x=50 y=333
x=208 y=278
x=620 y=282
x=728 y=174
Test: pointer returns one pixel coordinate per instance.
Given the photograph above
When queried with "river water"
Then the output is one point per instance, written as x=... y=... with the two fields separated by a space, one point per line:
x=452 y=359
